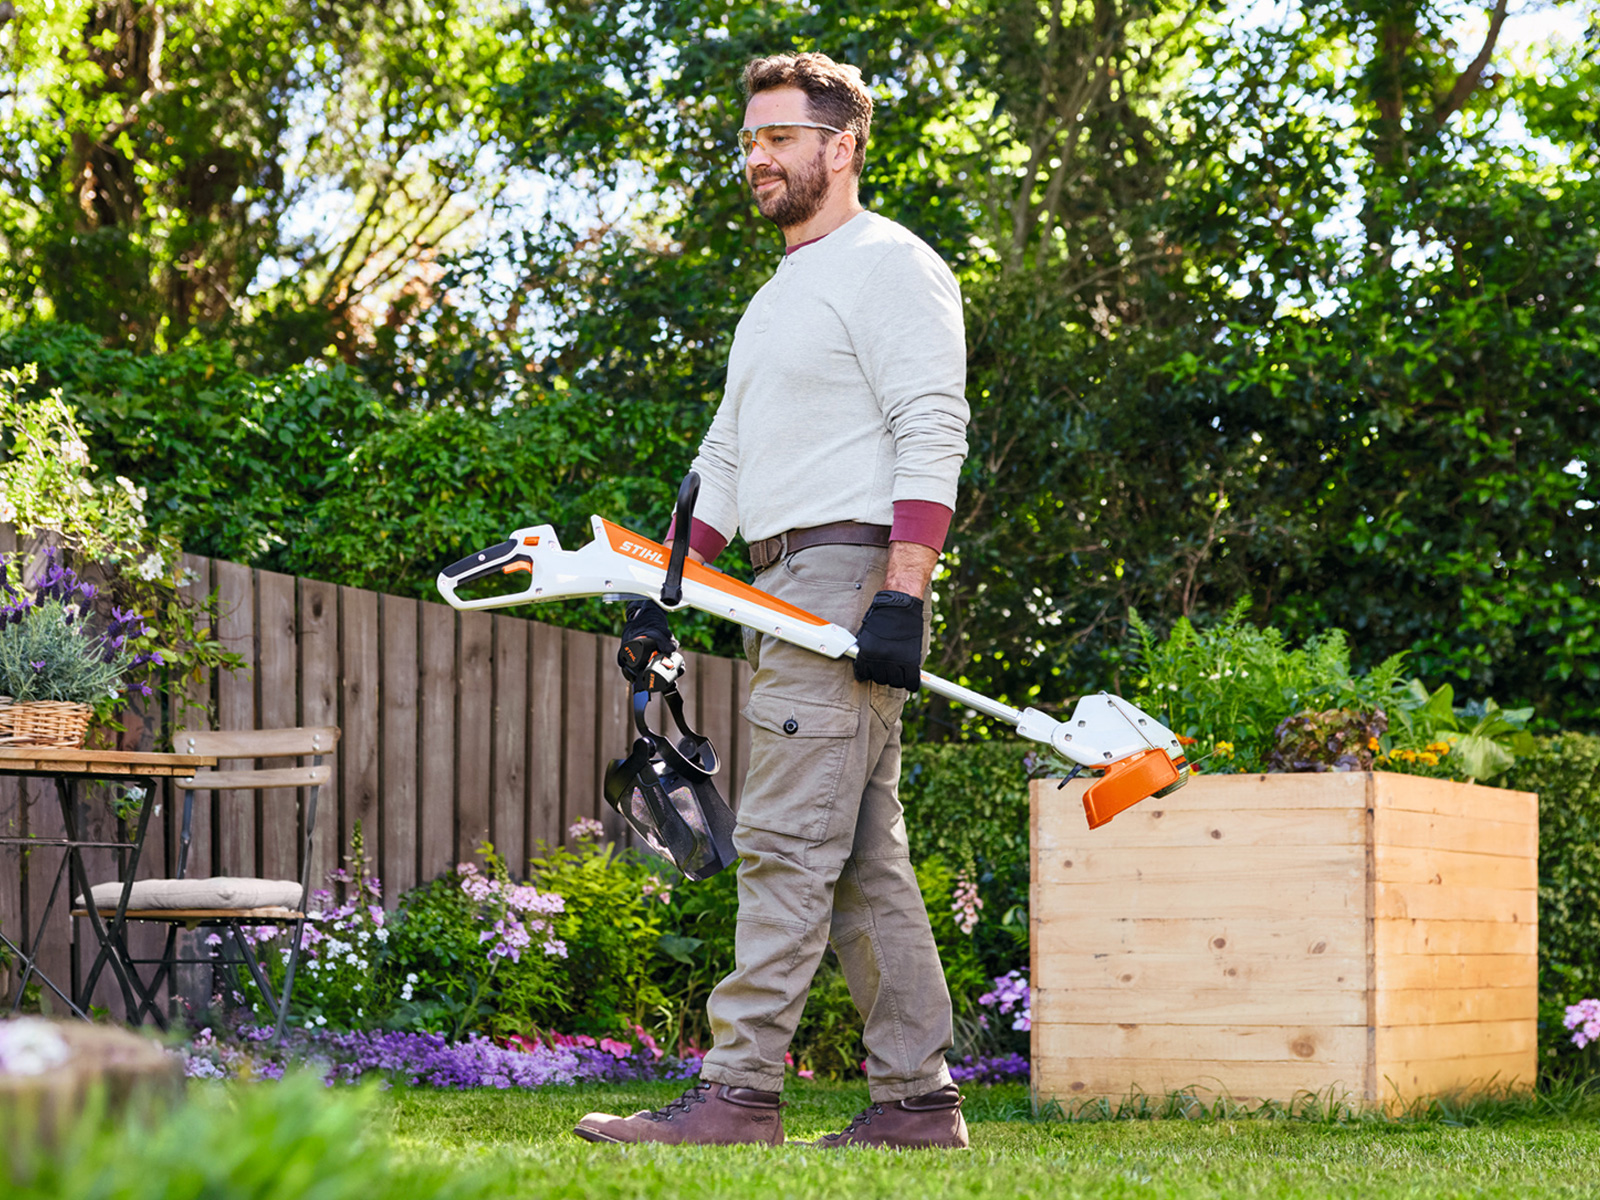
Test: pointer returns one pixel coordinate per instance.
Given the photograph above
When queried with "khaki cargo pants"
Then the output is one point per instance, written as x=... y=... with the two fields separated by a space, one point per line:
x=822 y=840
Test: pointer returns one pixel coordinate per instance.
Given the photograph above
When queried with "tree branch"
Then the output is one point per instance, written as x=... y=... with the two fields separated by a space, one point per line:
x=1468 y=79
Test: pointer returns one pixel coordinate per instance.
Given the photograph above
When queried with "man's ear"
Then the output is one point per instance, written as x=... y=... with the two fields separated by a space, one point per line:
x=844 y=150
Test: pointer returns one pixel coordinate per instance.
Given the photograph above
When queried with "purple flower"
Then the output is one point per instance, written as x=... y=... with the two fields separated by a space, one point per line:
x=1005 y=1068
x=38 y=666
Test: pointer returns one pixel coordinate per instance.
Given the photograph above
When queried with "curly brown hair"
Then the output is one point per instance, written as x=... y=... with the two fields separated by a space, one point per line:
x=834 y=92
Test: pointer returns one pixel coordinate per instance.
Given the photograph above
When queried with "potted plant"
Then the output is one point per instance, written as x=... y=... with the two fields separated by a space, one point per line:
x=60 y=662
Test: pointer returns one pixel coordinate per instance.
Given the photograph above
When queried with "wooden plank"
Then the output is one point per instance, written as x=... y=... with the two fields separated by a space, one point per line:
x=1428 y=831
x=1468 y=1039
x=1433 y=1077
x=1451 y=868
x=509 y=772
x=1212 y=794
x=42 y=819
x=581 y=765
x=1260 y=934
x=397 y=762
x=546 y=690
x=1423 y=901
x=1446 y=797
x=474 y=741
x=614 y=722
x=1178 y=971
x=113 y=764
x=267 y=778
x=1401 y=972
x=1400 y=937
x=191 y=704
x=358 y=721
x=290 y=743
x=1182 y=1042
x=436 y=701
x=1449 y=1006
x=716 y=714
x=1178 y=869
x=238 y=812
x=1282 y=891
x=739 y=757
x=1068 y=1080
x=1200 y=1006
x=1262 y=827
x=277 y=707
x=319 y=706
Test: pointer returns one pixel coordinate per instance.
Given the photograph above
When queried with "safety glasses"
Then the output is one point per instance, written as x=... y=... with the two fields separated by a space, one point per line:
x=780 y=135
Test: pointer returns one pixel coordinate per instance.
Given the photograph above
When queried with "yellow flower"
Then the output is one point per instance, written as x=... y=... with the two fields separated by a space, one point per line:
x=1223 y=749
x=1429 y=758
x=1440 y=748
x=1372 y=743
x=1405 y=755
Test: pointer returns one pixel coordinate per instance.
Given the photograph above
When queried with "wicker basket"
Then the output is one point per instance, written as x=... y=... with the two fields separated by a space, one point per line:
x=57 y=724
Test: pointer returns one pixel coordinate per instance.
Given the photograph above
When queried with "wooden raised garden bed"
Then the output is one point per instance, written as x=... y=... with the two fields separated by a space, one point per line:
x=1367 y=937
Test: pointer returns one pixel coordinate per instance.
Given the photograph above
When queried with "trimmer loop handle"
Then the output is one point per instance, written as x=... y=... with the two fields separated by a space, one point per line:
x=688 y=493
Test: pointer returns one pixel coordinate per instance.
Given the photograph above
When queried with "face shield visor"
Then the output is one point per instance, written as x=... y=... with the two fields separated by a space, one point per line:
x=665 y=793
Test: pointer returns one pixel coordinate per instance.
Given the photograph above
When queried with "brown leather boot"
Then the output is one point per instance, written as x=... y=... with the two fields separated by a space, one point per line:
x=930 y=1121
x=708 y=1114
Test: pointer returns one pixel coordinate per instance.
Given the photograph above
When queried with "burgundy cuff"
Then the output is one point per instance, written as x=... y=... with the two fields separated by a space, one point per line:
x=703 y=539
x=925 y=522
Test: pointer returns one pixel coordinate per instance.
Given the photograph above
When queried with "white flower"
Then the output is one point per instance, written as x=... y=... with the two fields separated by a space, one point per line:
x=383 y=934
x=152 y=567
x=8 y=511
x=321 y=1020
x=412 y=977
x=29 y=1046
x=405 y=992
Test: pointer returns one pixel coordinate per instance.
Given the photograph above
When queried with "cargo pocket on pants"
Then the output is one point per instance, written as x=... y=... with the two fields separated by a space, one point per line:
x=799 y=749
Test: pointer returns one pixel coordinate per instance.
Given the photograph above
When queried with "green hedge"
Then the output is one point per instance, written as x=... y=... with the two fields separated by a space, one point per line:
x=1566 y=773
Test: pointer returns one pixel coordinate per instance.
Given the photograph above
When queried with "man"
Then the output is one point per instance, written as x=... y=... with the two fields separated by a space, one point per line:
x=836 y=451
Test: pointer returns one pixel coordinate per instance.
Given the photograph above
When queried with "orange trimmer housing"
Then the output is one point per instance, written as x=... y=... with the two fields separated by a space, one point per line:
x=1130 y=780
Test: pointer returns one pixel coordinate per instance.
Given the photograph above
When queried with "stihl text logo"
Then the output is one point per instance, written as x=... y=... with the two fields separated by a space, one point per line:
x=644 y=552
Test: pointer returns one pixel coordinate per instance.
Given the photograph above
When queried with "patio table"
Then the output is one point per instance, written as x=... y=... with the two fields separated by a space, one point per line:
x=70 y=769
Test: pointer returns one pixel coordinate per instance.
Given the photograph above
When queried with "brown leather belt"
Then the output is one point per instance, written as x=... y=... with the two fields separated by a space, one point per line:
x=841 y=533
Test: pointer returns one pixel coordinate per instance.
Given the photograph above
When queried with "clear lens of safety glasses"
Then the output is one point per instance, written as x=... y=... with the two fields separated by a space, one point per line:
x=776 y=137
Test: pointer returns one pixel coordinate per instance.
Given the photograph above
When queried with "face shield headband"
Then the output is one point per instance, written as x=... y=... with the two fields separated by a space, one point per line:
x=665 y=793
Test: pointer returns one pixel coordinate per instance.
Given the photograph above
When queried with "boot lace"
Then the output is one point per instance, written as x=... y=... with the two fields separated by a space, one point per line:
x=699 y=1093
x=864 y=1117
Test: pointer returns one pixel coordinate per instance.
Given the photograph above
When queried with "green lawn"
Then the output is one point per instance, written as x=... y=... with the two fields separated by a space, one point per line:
x=522 y=1145
x=300 y=1140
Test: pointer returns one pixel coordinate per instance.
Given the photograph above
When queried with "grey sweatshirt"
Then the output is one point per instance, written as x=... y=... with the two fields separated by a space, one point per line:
x=846 y=389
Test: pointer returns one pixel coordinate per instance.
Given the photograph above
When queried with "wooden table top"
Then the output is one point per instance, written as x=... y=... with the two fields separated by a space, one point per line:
x=104 y=764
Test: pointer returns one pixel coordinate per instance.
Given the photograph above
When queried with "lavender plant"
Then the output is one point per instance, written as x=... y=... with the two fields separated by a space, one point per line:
x=54 y=646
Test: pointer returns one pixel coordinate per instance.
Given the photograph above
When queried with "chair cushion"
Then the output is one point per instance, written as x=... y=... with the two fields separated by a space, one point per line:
x=221 y=892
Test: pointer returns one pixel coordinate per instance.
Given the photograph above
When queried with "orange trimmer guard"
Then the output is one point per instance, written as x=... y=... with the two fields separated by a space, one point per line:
x=1129 y=781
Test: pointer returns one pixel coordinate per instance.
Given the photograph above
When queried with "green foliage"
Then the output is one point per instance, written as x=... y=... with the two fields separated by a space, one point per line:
x=1565 y=772
x=1480 y=739
x=283 y=1141
x=612 y=925
x=1234 y=682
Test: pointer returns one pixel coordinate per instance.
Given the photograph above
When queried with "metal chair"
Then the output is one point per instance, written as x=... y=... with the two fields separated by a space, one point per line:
x=222 y=902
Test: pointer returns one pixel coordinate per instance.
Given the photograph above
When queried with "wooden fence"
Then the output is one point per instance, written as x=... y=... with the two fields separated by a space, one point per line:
x=457 y=728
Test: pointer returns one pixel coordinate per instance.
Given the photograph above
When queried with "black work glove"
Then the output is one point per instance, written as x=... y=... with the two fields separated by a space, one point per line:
x=645 y=638
x=889 y=643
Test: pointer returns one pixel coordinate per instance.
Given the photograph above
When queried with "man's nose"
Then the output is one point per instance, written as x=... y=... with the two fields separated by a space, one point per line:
x=758 y=155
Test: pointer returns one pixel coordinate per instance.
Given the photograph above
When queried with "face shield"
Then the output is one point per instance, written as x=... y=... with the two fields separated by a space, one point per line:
x=665 y=793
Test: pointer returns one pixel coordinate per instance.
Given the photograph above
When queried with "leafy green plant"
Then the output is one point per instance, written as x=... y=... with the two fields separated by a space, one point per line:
x=1431 y=736
x=49 y=488
x=1234 y=683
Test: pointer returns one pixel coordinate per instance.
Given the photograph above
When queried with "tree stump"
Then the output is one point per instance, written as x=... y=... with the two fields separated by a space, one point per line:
x=54 y=1073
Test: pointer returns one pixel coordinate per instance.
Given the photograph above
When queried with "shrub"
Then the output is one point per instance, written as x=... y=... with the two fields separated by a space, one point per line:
x=1565 y=771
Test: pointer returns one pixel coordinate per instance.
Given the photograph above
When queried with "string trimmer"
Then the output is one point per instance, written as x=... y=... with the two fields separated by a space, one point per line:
x=1139 y=756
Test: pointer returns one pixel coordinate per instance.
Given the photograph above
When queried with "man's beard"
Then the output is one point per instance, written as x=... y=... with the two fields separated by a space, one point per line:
x=799 y=198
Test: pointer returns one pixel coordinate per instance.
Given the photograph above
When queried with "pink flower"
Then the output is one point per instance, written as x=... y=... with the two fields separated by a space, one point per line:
x=615 y=1048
